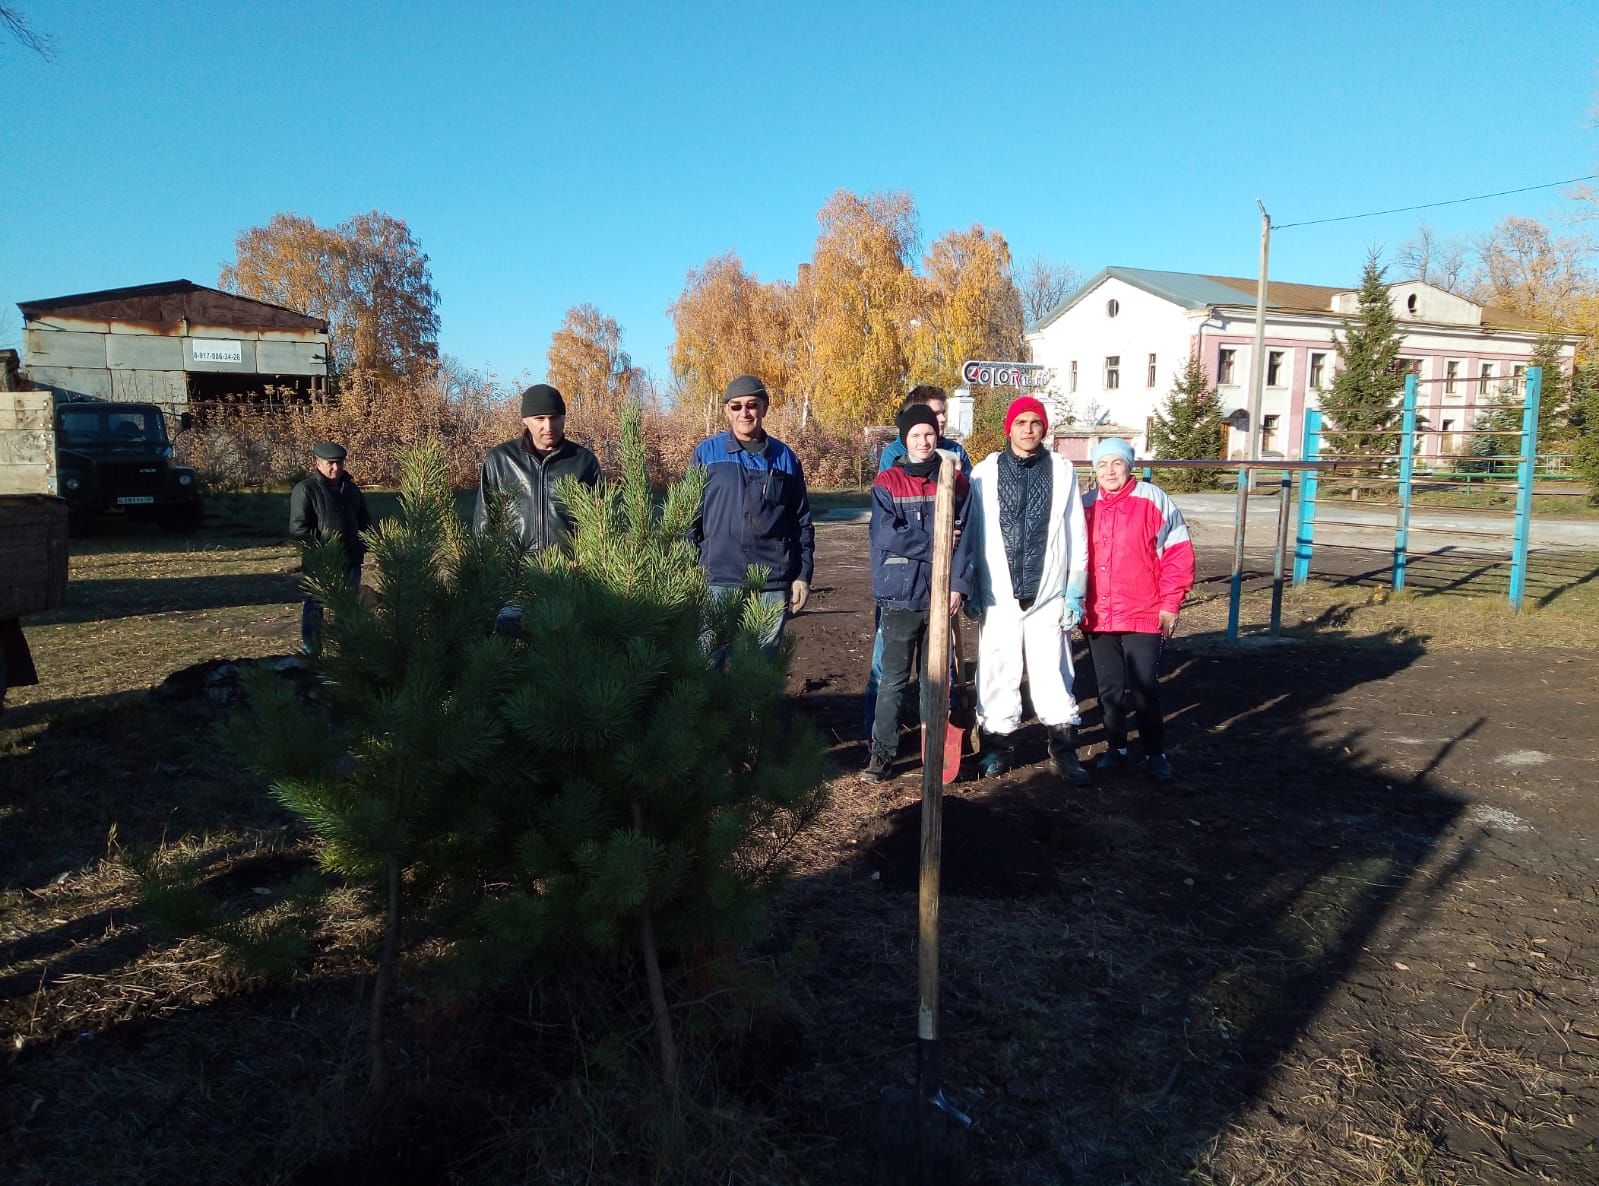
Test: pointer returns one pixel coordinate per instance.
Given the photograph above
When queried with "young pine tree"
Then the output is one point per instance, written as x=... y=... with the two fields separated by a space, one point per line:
x=1363 y=404
x=1585 y=425
x=417 y=684
x=660 y=788
x=1554 y=395
x=1188 y=426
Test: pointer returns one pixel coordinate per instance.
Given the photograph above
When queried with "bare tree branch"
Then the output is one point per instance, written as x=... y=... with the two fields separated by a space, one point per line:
x=15 y=25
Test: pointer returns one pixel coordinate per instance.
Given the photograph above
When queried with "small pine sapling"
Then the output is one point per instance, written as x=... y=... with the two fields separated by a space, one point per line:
x=415 y=682
x=661 y=789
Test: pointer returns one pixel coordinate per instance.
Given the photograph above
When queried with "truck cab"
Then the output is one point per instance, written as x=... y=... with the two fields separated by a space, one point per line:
x=116 y=458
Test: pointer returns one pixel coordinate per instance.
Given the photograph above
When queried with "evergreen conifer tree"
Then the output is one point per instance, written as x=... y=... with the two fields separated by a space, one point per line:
x=663 y=788
x=1188 y=426
x=1363 y=404
x=417 y=684
x=1585 y=425
x=1554 y=395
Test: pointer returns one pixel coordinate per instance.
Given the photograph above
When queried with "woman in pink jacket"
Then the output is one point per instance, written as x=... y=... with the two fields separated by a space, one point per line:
x=1140 y=567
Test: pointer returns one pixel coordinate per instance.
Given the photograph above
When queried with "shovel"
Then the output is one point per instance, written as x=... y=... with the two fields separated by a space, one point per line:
x=924 y=1136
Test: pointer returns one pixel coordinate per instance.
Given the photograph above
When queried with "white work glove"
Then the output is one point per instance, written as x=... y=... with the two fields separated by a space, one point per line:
x=798 y=594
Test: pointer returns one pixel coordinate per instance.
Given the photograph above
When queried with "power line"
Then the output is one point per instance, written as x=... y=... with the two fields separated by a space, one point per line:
x=1526 y=189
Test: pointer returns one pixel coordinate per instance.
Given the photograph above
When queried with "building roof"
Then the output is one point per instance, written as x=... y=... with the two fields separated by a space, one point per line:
x=1192 y=290
x=173 y=301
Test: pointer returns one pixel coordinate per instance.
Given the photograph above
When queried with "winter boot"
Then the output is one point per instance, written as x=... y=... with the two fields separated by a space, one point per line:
x=1063 y=761
x=879 y=765
x=999 y=757
x=1113 y=759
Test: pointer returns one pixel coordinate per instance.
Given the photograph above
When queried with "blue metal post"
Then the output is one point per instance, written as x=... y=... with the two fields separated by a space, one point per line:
x=1524 y=467
x=1304 y=538
x=1235 y=593
x=1407 y=465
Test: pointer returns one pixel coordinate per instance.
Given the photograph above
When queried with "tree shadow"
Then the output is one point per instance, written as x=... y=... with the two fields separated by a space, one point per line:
x=1124 y=964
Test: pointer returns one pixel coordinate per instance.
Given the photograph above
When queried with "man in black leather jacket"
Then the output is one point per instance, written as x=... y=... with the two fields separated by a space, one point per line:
x=527 y=470
x=328 y=502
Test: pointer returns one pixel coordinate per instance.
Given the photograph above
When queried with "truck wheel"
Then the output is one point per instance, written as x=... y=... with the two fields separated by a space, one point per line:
x=184 y=520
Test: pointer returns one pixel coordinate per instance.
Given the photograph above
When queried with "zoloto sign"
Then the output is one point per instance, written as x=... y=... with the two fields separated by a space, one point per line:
x=1003 y=374
x=216 y=350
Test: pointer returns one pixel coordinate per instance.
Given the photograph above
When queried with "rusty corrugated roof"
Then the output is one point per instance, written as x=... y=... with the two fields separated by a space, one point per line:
x=1318 y=298
x=172 y=301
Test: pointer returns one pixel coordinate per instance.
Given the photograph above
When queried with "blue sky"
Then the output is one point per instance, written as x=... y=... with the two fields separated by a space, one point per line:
x=546 y=155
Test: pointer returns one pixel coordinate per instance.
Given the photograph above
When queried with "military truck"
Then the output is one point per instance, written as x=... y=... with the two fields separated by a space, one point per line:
x=116 y=459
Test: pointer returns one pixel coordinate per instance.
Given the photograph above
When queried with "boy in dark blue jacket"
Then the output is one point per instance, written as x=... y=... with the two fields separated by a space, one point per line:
x=903 y=499
x=755 y=510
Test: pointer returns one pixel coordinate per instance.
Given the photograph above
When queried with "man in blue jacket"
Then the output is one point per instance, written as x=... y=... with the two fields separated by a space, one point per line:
x=934 y=400
x=903 y=502
x=755 y=511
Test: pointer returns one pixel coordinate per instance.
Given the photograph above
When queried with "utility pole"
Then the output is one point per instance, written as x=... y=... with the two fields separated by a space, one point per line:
x=1258 y=380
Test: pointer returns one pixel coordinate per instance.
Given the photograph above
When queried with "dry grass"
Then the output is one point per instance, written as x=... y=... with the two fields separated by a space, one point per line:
x=1103 y=1036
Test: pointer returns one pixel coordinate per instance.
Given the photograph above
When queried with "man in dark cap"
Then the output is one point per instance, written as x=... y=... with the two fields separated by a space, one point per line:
x=525 y=470
x=755 y=511
x=327 y=503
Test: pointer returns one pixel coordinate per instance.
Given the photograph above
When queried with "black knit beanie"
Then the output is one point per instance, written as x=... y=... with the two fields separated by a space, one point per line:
x=542 y=400
x=912 y=416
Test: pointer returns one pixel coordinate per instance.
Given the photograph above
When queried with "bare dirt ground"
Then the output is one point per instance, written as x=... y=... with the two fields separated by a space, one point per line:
x=1358 y=944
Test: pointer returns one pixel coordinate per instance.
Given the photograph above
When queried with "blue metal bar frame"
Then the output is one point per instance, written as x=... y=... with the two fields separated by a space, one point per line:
x=1235 y=593
x=1524 y=468
x=1407 y=469
x=1305 y=536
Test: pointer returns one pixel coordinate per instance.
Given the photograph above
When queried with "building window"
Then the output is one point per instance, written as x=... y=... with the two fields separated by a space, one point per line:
x=1225 y=366
x=1451 y=377
x=1074 y=375
x=1484 y=377
x=1268 y=432
x=1274 y=368
x=1113 y=371
x=1112 y=307
x=1410 y=304
x=1518 y=377
x=1318 y=368
x=1150 y=380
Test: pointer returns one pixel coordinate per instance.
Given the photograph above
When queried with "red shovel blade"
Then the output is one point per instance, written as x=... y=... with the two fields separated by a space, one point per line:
x=954 y=742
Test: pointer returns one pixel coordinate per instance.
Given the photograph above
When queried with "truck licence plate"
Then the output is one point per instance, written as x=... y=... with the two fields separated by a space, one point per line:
x=133 y=500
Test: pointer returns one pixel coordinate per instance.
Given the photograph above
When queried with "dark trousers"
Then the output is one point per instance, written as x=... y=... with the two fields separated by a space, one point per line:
x=901 y=631
x=311 y=616
x=1127 y=670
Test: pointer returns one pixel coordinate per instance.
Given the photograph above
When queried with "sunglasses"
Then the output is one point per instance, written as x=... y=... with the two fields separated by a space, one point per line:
x=753 y=405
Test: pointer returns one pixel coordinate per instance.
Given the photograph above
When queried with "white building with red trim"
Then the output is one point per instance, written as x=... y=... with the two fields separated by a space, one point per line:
x=1117 y=345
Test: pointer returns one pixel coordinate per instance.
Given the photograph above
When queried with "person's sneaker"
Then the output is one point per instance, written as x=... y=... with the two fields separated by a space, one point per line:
x=1159 y=768
x=878 y=766
x=1110 y=760
x=994 y=762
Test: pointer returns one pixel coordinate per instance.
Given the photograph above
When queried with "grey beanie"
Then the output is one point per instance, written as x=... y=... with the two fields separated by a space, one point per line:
x=745 y=385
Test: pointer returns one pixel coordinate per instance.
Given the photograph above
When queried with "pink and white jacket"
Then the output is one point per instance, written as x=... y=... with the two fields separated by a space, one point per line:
x=1140 y=558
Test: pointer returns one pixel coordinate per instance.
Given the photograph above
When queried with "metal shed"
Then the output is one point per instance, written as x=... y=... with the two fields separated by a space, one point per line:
x=172 y=343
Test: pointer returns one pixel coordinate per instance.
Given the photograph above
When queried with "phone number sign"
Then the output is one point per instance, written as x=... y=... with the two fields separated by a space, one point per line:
x=978 y=373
